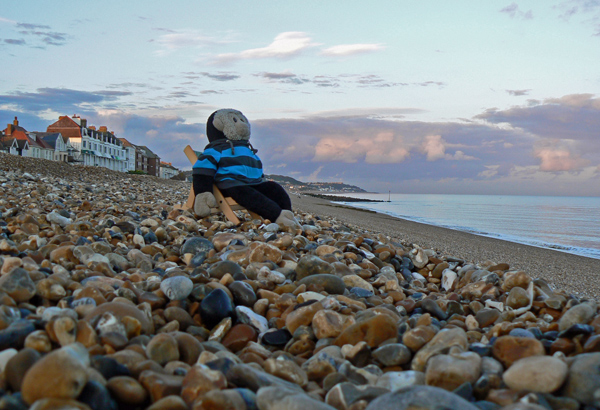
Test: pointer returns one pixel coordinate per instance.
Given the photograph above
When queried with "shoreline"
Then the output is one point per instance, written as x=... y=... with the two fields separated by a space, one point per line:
x=564 y=271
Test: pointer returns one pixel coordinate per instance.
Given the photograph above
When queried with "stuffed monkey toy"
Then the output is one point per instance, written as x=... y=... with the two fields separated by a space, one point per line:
x=230 y=162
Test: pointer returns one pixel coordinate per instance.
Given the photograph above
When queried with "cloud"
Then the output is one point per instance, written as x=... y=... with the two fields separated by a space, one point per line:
x=428 y=83
x=41 y=34
x=344 y=50
x=178 y=39
x=589 y=10
x=221 y=76
x=574 y=116
x=15 y=41
x=285 y=45
x=565 y=130
x=5 y=20
x=490 y=171
x=51 y=38
x=554 y=160
x=286 y=77
x=513 y=11
x=315 y=174
x=29 y=26
x=518 y=93
x=368 y=113
x=59 y=99
x=434 y=148
x=372 y=80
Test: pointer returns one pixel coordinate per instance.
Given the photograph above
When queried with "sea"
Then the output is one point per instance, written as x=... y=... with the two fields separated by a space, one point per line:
x=566 y=224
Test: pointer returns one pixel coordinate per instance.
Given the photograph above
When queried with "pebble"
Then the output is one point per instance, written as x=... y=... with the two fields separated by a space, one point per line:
x=177 y=287
x=60 y=374
x=111 y=298
x=508 y=349
x=540 y=374
x=216 y=307
x=420 y=397
x=127 y=390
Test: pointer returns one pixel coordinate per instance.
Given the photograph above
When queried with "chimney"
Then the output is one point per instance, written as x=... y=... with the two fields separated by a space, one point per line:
x=102 y=129
x=92 y=127
x=16 y=122
x=83 y=123
x=9 y=130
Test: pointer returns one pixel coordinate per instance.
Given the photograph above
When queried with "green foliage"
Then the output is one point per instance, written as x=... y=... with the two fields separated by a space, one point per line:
x=137 y=172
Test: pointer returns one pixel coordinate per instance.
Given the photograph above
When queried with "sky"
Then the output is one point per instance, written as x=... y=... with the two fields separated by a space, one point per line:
x=450 y=97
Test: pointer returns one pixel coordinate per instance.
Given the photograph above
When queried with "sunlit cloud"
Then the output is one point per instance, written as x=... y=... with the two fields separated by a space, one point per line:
x=285 y=45
x=344 y=50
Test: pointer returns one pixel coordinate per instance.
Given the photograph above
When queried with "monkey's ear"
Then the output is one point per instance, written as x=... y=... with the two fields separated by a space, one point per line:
x=218 y=122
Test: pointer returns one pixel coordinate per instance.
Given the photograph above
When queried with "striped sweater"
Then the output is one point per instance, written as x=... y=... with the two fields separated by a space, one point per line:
x=230 y=163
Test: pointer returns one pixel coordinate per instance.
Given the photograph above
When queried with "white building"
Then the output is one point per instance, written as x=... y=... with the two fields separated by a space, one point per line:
x=97 y=147
x=129 y=154
x=167 y=171
x=54 y=146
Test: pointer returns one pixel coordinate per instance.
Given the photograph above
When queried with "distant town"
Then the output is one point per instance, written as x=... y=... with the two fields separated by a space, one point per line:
x=72 y=140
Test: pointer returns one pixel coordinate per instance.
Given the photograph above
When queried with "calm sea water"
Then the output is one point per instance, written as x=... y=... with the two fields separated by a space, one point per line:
x=568 y=224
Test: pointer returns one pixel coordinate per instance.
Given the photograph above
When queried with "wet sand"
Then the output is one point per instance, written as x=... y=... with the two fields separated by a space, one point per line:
x=572 y=273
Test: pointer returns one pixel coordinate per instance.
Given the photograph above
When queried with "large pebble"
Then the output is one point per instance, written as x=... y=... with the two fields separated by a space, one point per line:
x=60 y=374
x=275 y=398
x=583 y=382
x=18 y=285
x=441 y=342
x=331 y=284
x=422 y=398
x=509 y=349
x=196 y=245
x=451 y=371
x=373 y=331
x=312 y=265
x=120 y=311
x=581 y=313
x=540 y=374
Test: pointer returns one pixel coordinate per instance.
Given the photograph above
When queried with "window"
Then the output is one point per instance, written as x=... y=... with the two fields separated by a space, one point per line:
x=84 y=144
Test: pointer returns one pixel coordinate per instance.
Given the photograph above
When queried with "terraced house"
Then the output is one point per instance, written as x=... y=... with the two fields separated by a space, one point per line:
x=97 y=147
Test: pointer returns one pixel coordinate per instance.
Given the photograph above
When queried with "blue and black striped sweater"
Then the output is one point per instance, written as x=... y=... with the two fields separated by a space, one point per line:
x=230 y=163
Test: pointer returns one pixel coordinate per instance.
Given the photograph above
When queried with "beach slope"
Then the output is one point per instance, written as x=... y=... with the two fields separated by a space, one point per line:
x=571 y=273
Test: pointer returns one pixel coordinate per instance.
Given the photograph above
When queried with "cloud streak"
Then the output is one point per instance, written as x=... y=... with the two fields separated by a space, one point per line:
x=344 y=50
x=284 y=46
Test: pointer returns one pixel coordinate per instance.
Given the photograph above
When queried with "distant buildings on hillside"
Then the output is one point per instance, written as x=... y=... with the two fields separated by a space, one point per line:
x=71 y=140
x=299 y=186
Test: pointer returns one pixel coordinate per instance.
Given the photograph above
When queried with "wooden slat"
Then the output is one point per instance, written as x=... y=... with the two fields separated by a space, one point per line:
x=224 y=205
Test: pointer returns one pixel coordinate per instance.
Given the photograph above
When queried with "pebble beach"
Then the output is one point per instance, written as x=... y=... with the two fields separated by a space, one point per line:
x=112 y=299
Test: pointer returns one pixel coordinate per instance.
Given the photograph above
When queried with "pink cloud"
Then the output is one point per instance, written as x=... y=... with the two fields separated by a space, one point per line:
x=559 y=159
x=383 y=148
x=434 y=147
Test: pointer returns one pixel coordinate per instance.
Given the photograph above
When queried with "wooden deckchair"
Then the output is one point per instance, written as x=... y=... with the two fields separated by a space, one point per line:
x=224 y=205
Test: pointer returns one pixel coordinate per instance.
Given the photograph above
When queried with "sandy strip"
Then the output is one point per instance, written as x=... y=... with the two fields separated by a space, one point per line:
x=567 y=272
